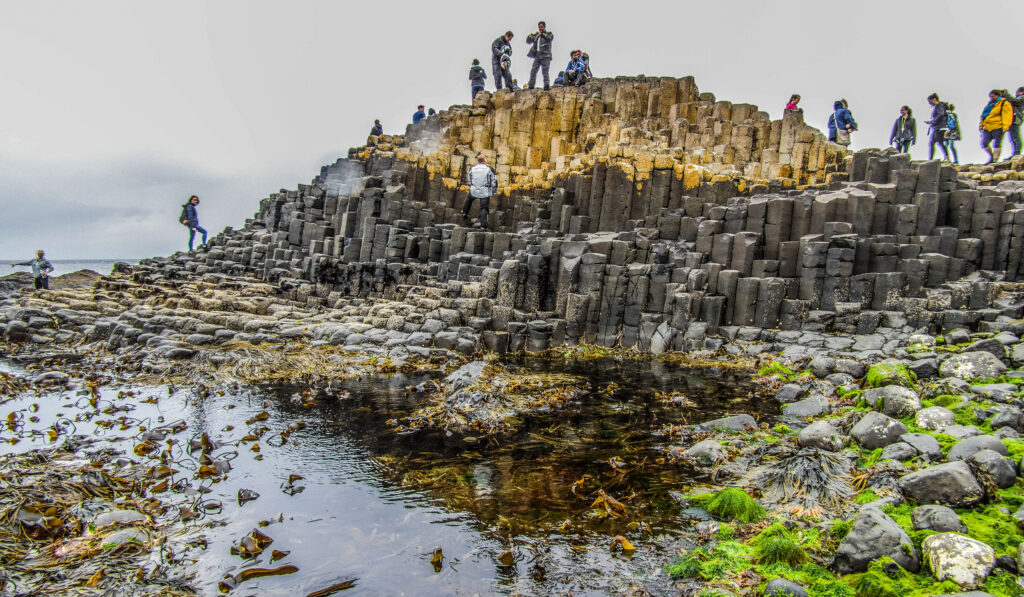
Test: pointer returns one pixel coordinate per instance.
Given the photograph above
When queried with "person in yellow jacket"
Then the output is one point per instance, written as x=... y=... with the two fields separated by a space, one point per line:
x=996 y=119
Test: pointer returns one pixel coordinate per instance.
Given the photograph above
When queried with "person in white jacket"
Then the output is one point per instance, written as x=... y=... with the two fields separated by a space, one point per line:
x=483 y=184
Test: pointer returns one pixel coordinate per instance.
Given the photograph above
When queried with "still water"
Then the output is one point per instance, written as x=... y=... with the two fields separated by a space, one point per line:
x=512 y=516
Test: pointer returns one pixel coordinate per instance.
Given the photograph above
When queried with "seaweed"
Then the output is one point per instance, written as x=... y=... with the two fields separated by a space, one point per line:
x=811 y=482
x=775 y=545
x=734 y=503
x=890 y=374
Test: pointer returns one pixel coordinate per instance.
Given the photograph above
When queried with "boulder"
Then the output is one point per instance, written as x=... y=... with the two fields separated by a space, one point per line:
x=937 y=518
x=876 y=430
x=965 y=448
x=896 y=401
x=972 y=365
x=935 y=418
x=873 y=536
x=789 y=393
x=899 y=451
x=952 y=484
x=735 y=423
x=809 y=407
x=780 y=587
x=707 y=452
x=925 y=444
x=989 y=465
x=822 y=435
x=954 y=557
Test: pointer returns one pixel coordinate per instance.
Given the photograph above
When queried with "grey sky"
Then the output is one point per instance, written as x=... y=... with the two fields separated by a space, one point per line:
x=116 y=111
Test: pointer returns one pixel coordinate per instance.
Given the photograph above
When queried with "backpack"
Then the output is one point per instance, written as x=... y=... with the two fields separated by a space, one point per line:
x=952 y=126
x=183 y=218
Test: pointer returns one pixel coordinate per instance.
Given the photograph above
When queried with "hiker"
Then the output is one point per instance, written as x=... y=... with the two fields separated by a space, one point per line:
x=559 y=80
x=996 y=119
x=41 y=270
x=482 y=185
x=578 y=71
x=541 y=54
x=418 y=115
x=377 y=129
x=431 y=112
x=938 y=125
x=793 y=101
x=953 y=132
x=904 y=131
x=515 y=84
x=1017 y=101
x=476 y=77
x=501 y=60
x=191 y=219
x=841 y=124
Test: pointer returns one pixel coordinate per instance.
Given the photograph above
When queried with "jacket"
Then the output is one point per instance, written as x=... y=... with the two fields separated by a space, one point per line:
x=477 y=74
x=40 y=267
x=541 y=42
x=576 y=64
x=998 y=115
x=192 y=214
x=939 y=121
x=377 y=130
x=845 y=120
x=482 y=181
x=904 y=129
x=499 y=47
x=417 y=116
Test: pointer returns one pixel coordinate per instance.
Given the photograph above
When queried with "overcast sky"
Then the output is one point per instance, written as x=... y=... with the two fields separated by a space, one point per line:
x=115 y=111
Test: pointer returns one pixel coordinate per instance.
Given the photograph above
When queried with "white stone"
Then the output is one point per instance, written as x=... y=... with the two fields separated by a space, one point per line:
x=963 y=560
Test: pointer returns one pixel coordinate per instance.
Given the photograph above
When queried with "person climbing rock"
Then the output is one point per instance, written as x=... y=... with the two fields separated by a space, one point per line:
x=41 y=270
x=541 y=53
x=904 y=130
x=793 y=101
x=477 y=76
x=1017 y=101
x=501 y=60
x=418 y=115
x=937 y=126
x=192 y=221
x=841 y=124
x=996 y=119
x=483 y=183
x=377 y=129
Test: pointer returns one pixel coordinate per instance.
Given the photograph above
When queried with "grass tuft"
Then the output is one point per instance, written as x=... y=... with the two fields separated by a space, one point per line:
x=734 y=503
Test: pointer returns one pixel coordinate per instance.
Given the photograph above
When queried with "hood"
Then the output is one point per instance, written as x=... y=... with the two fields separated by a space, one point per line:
x=837 y=105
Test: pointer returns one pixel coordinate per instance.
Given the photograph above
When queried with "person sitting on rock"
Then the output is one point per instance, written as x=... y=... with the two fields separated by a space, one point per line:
x=483 y=183
x=41 y=270
x=377 y=129
x=904 y=131
x=192 y=217
x=793 y=101
x=578 y=71
x=560 y=79
x=477 y=75
x=418 y=115
x=501 y=60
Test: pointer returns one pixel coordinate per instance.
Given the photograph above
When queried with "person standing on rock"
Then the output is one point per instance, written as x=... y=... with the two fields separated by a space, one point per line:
x=1017 y=101
x=419 y=114
x=192 y=221
x=41 y=270
x=953 y=133
x=938 y=126
x=996 y=119
x=477 y=75
x=377 y=129
x=483 y=184
x=541 y=54
x=841 y=124
x=501 y=61
x=904 y=131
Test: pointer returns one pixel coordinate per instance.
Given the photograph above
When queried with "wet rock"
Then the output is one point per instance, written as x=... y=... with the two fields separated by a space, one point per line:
x=1007 y=417
x=789 y=393
x=972 y=365
x=734 y=423
x=876 y=430
x=781 y=587
x=874 y=535
x=961 y=559
x=809 y=407
x=925 y=444
x=53 y=378
x=854 y=369
x=965 y=448
x=991 y=465
x=935 y=418
x=896 y=401
x=119 y=517
x=937 y=518
x=962 y=431
x=951 y=484
x=991 y=345
x=707 y=452
x=131 y=535
x=821 y=435
x=899 y=451
x=958 y=336
x=822 y=366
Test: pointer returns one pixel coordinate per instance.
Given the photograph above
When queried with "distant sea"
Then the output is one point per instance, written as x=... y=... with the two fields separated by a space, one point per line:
x=65 y=266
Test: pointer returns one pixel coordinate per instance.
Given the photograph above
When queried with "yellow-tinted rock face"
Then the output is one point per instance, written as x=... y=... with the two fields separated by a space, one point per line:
x=641 y=125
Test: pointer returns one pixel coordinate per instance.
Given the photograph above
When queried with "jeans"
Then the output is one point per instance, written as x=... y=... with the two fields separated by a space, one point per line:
x=952 y=148
x=192 y=235
x=485 y=203
x=1015 y=138
x=477 y=89
x=544 y=63
x=903 y=145
x=41 y=282
x=500 y=74
x=938 y=136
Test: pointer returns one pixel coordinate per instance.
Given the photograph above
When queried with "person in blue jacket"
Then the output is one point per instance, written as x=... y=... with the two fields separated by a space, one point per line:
x=419 y=114
x=192 y=215
x=578 y=71
x=841 y=124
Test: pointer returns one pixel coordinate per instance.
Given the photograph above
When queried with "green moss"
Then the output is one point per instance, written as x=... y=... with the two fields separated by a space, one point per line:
x=819 y=581
x=734 y=503
x=876 y=582
x=993 y=527
x=889 y=374
x=945 y=401
x=727 y=557
x=1015 y=447
x=853 y=395
x=782 y=429
x=1002 y=585
x=782 y=372
x=775 y=545
x=840 y=529
x=867 y=496
x=965 y=415
x=940 y=339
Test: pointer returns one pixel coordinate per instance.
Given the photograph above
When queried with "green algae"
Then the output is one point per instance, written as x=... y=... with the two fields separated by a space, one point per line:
x=944 y=400
x=890 y=374
x=734 y=504
x=993 y=527
x=867 y=496
x=728 y=557
x=775 y=545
